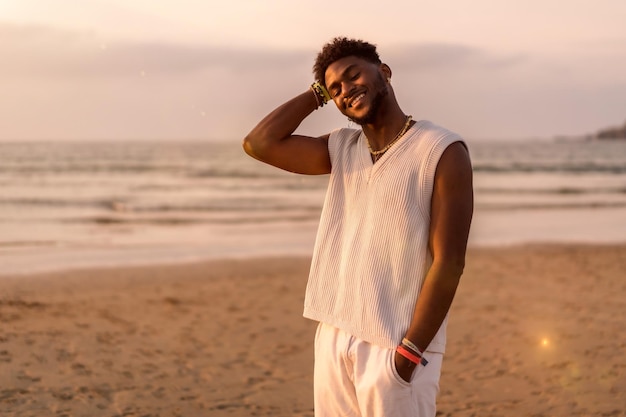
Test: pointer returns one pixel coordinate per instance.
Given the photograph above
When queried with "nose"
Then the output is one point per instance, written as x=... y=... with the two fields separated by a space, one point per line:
x=347 y=88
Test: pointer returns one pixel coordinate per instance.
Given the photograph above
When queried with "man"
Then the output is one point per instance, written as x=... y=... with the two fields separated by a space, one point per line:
x=391 y=244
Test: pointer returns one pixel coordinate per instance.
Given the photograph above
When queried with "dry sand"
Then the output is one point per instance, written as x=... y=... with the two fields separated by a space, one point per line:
x=534 y=331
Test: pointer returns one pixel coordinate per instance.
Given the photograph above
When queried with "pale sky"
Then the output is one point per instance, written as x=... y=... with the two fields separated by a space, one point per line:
x=201 y=69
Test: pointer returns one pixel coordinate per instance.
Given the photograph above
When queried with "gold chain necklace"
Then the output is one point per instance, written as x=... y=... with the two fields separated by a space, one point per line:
x=377 y=154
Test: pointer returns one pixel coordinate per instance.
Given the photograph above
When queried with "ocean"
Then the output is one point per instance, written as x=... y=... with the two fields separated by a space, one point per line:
x=79 y=204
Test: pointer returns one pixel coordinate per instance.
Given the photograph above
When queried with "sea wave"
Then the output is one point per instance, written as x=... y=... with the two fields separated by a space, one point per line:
x=180 y=221
x=552 y=191
x=616 y=169
x=502 y=206
x=217 y=205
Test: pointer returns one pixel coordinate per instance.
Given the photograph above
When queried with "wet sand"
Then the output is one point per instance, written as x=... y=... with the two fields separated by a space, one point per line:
x=534 y=331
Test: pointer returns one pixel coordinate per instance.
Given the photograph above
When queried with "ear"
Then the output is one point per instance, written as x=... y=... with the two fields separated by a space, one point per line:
x=386 y=71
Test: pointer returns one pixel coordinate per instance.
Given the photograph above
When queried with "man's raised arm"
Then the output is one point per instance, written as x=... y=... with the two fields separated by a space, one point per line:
x=272 y=141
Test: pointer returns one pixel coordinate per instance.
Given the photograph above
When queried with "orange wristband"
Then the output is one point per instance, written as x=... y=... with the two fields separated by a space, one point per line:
x=410 y=356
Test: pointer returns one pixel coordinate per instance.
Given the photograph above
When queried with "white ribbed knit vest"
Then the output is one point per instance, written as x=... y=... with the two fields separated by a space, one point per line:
x=371 y=253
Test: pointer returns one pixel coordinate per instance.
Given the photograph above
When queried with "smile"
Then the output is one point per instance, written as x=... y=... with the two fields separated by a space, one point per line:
x=356 y=100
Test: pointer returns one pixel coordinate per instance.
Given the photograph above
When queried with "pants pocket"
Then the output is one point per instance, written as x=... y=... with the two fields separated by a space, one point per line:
x=391 y=366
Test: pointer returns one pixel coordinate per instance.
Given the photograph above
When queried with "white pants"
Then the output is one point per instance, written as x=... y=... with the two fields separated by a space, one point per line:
x=354 y=378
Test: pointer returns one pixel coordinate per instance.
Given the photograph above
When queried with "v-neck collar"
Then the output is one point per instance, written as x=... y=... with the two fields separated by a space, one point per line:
x=366 y=158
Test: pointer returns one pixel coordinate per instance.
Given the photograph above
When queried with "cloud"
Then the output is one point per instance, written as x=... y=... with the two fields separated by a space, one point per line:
x=78 y=85
x=447 y=56
x=49 y=52
x=44 y=51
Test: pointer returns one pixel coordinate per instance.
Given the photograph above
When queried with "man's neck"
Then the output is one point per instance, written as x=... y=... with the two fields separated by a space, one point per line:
x=385 y=127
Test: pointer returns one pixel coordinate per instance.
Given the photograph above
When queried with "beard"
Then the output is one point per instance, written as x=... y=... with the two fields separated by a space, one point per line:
x=372 y=112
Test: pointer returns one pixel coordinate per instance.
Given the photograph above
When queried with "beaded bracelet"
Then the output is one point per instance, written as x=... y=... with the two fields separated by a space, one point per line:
x=321 y=92
x=317 y=98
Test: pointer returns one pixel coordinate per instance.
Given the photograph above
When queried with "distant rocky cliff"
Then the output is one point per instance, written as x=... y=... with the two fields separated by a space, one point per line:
x=612 y=133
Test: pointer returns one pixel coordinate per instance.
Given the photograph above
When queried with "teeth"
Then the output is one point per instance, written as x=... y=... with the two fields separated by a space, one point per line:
x=357 y=99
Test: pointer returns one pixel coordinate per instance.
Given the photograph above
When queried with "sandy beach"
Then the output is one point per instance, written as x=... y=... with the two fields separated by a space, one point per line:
x=535 y=330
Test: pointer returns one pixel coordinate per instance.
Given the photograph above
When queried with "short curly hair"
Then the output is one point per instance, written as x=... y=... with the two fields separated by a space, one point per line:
x=341 y=47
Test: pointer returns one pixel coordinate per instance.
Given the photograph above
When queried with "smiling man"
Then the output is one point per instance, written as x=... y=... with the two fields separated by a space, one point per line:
x=390 y=248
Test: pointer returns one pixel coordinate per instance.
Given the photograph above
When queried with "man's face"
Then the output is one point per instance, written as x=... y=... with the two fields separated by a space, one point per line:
x=357 y=87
